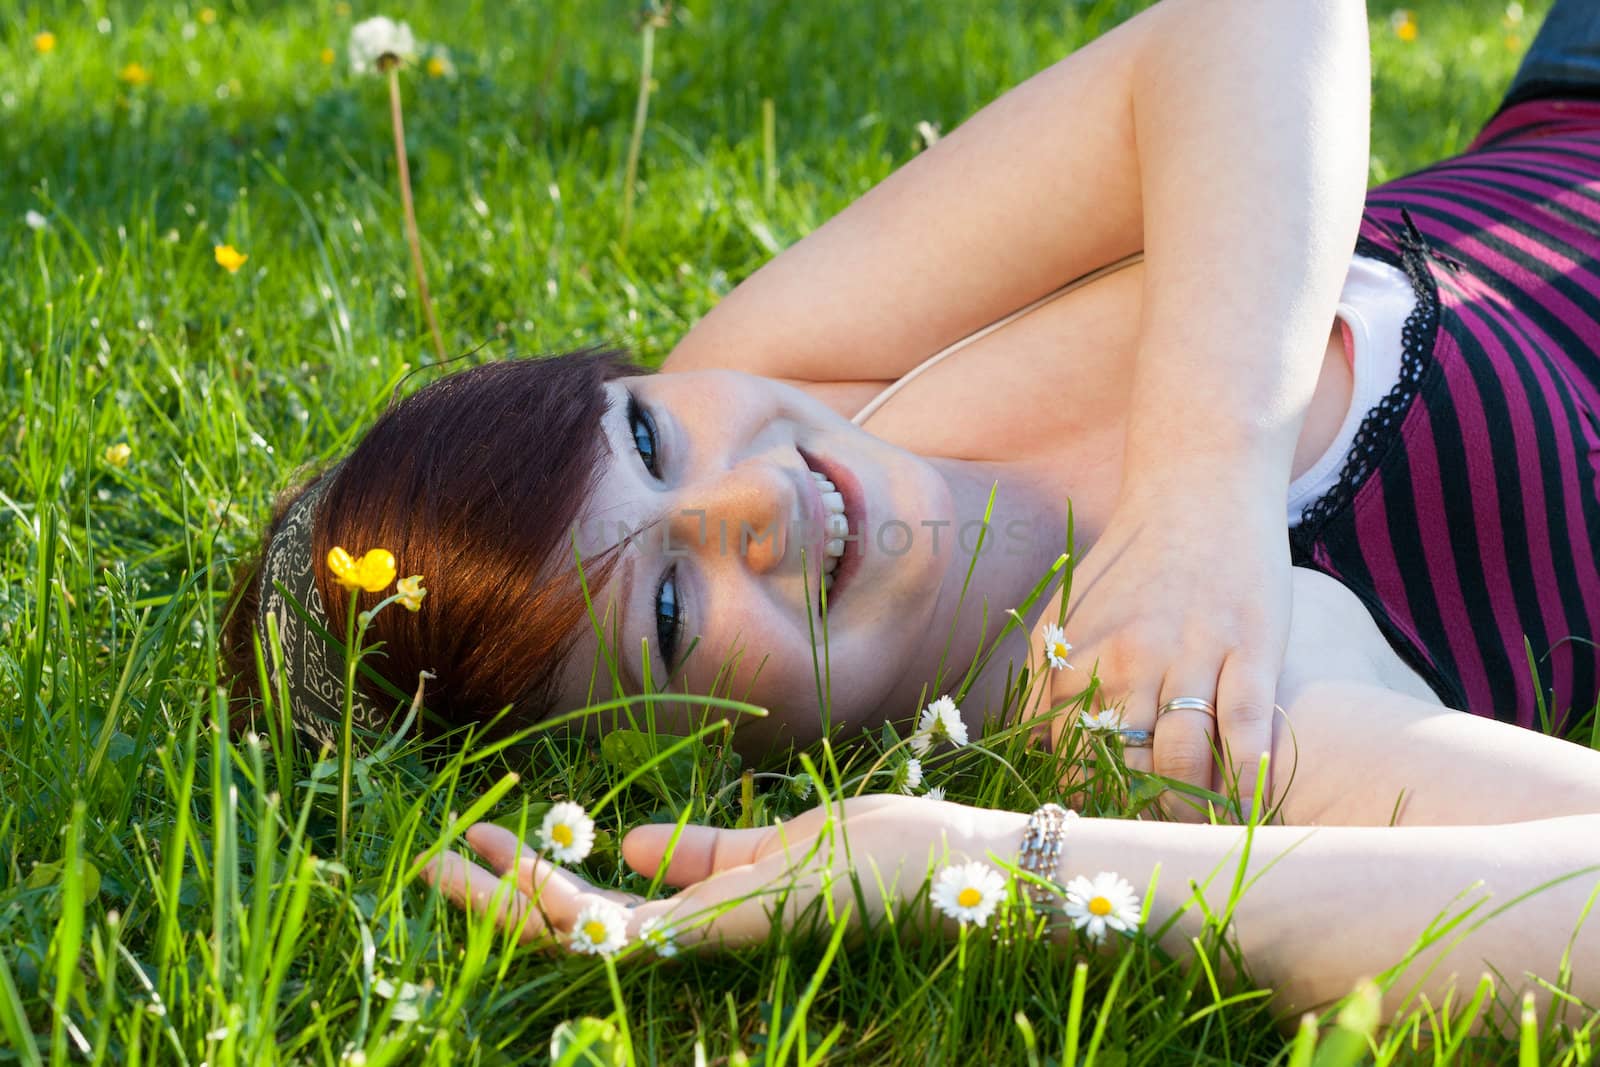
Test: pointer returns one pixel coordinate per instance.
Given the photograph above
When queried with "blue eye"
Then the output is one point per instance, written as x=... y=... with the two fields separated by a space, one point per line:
x=669 y=617
x=643 y=428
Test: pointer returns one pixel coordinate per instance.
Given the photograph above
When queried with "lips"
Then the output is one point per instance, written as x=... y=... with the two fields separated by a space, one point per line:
x=840 y=495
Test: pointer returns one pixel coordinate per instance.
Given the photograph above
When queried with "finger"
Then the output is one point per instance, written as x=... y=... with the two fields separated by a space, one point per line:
x=483 y=893
x=1139 y=713
x=1185 y=743
x=536 y=876
x=740 y=906
x=696 y=854
x=1245 y=714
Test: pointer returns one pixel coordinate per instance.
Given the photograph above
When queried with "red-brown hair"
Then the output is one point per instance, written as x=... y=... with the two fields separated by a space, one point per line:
x=474 y=482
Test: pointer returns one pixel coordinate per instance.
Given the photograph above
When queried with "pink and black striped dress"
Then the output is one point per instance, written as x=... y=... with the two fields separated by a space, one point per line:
x=1467 y=516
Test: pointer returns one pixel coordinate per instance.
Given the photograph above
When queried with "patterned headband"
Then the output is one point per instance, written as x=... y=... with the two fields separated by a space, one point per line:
x=315 y=668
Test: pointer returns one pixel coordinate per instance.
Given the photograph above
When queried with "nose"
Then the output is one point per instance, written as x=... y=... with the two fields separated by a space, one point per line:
x=743 y=512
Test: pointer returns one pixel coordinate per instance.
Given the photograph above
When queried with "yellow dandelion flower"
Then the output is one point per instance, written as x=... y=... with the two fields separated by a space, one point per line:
x=134 y=74
x=44 y=42
x=327 y=57
x=118 y=454
x=372 y=572
x=1404 y=24
x=229 y=258
x=411 y=592
x=208 y=15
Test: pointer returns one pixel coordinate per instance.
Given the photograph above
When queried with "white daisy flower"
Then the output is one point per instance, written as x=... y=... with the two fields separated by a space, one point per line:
x=567 y=833
x=1106 y=903
x=1105 y=721
x=601 y=930
x=659 y=936
x=939 y=722
x=935 y=792
x=969 y=892
x=909 y=776
x=35 y=221
x=1056 y=647
x=378 y=42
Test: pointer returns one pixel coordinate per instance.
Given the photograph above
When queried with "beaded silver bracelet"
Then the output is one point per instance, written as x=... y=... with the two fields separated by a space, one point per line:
x=1041 y=849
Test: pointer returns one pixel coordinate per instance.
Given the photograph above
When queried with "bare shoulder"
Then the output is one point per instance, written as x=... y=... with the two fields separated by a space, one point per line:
x=1333 y=637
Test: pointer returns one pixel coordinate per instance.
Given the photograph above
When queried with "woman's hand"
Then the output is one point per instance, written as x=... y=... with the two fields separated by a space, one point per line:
x=1186 y=593
x=734 y=884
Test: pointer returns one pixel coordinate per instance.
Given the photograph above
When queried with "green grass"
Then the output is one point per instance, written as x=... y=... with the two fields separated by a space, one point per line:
x=170 y=894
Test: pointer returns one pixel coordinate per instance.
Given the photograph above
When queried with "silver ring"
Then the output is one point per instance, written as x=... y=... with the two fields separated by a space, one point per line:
x=1187 y=704
x=1132 y=738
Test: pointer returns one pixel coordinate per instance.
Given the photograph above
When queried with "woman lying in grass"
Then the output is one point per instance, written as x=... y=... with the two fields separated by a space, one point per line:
x=1416 y=377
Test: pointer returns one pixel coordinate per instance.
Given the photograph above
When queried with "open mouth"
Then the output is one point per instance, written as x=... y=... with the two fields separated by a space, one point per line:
x=842 y=528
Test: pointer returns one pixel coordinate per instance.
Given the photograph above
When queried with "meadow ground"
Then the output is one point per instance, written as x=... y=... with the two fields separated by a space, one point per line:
x=172 y=894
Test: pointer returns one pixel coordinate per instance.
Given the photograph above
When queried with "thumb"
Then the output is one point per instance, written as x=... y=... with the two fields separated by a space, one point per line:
x=693 y=855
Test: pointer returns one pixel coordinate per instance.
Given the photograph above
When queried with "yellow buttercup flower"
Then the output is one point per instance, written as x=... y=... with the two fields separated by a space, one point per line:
x=372 y=572
x=327 y=57
x=118 y=454
x=229 y=258
x=208 y=15
x=134 y=74
x=44 y=43
x=411 y=592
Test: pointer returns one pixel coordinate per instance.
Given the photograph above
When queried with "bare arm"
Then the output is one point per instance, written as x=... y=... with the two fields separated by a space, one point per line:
x=1227 y=132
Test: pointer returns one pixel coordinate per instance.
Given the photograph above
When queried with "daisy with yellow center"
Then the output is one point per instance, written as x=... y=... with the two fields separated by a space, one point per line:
x=229 y=258
x=409 y=592
x=1404 y=24
x=939 y=722
x=601 y=930
x=659 y=937
x=968 y=892
x=1056 y=647
x=372 y=572
x=439 y=65
x=567 y=833
x=1107 y=902
x=134 y=74
x=44 y=43
x=1105 y=721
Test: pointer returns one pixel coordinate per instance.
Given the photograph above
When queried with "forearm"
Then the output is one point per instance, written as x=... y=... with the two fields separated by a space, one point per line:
x=1252 y=190
x=1342 y=903
x=1049 y=183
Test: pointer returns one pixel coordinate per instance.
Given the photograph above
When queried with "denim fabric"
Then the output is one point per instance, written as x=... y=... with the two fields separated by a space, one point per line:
x=1564 y=59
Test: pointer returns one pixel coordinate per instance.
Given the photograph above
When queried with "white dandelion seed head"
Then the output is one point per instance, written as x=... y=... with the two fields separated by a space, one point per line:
x=1056 y=647
x=1106 y=902
x=968 y=892
x=601 y=929
x=377 y=40
x=938 y=723
x=567 y=833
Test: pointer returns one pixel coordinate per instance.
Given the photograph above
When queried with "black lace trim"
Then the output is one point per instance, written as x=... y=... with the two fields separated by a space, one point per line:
x=1381 y=425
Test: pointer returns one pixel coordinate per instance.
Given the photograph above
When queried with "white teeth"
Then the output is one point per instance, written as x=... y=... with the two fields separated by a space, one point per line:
x=836 y=527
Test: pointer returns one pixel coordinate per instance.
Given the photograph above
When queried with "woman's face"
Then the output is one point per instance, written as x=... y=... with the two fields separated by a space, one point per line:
x=721 y=493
